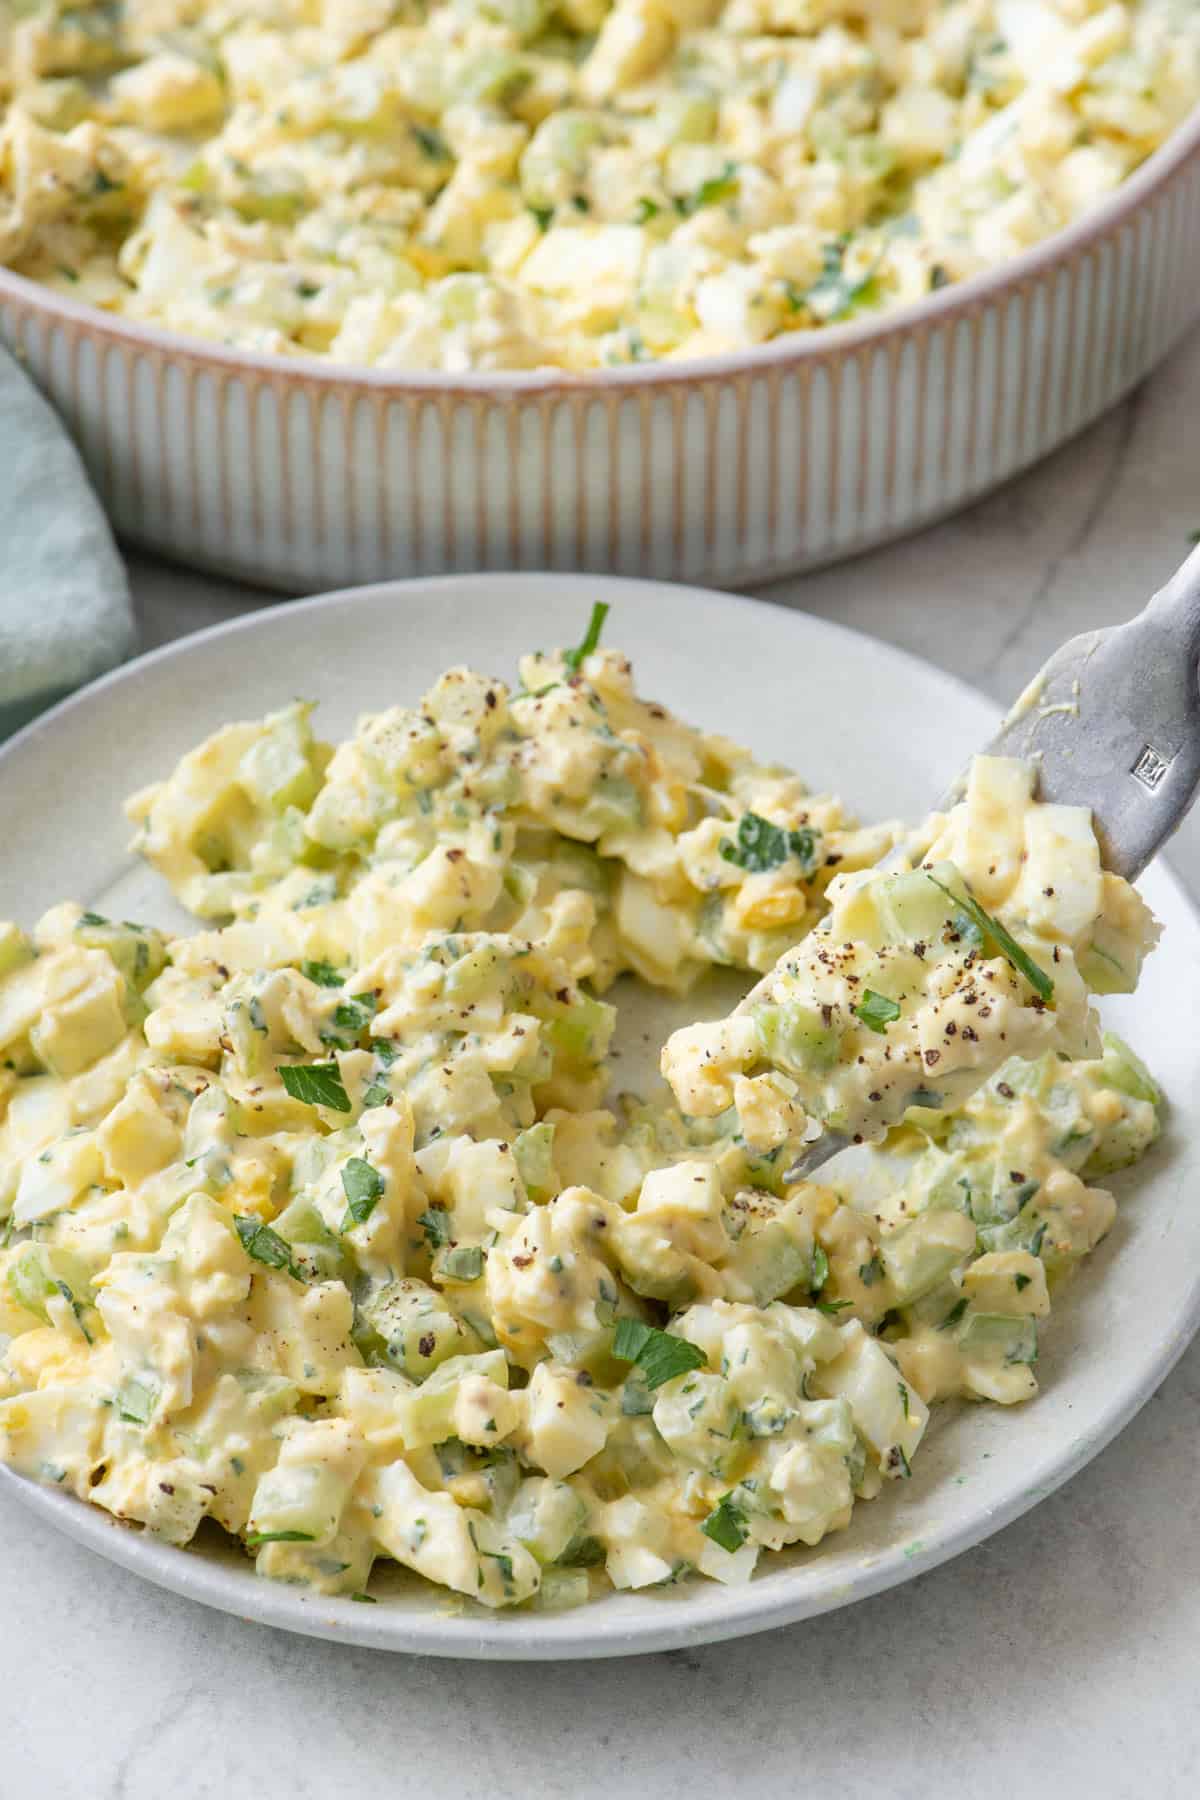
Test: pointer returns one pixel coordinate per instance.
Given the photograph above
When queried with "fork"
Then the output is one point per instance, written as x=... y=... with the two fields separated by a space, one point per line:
x=1111 y=722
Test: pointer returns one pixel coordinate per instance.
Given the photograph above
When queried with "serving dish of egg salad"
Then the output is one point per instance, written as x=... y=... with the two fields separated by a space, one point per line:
x=332 y=1228
x=514 y=184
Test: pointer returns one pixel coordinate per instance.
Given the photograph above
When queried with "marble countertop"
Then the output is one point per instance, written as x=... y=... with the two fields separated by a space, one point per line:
x=1058 y=1658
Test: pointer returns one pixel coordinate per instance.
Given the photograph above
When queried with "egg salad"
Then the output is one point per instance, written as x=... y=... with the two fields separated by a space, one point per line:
x=322 y=1222
x=516 y=184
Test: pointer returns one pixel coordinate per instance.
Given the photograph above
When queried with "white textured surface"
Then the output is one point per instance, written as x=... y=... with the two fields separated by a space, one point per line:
x=1057 y=1659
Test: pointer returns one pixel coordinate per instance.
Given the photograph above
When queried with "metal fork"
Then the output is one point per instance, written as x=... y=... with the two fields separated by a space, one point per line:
x=1112 y=722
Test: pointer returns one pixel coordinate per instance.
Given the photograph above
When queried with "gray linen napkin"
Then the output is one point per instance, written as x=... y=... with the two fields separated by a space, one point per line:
x=65 y=612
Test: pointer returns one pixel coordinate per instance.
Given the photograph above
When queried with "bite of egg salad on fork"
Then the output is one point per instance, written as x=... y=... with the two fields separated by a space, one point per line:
x=320 y=1222
x=513 y=184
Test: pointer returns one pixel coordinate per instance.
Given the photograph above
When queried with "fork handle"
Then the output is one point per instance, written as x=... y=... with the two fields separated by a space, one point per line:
x=1175 y=609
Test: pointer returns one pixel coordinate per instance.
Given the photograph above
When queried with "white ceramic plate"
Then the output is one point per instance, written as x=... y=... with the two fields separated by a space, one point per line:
x=854 y=715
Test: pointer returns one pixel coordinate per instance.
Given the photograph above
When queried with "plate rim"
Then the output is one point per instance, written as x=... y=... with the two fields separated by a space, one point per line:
x=726 y=1613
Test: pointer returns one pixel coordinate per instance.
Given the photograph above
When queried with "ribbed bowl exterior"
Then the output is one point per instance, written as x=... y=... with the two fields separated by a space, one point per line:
x=306 y=475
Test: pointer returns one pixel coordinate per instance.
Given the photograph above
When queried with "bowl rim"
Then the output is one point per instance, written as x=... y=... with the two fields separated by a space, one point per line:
x=791 y=351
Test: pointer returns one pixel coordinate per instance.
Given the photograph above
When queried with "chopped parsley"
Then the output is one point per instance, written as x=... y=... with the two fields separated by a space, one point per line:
x=264 y=1245
x=317 y=1084
x=726 y=1525
x=876 y=1011
x=436 y=1225
x=323 y=973
x=760 y=846
x=820 y=1271
x=831 y=1308
x=542 y=216
x=953 y=1316
x=645 y=210
x=591 y=637
x=255 y=1538
x=363 y=1187
x=658 y=1354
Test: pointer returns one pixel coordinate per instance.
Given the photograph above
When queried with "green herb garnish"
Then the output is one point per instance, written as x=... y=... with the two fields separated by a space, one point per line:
x=820 y=1271
x=831 y=1308
x=323 y=973
x=761 y=845
x=953 y=1316
x=726 y=1525
x=876 y=1011
x=658 y=1354
x=255 y=1538
x=317 y=1084
x=1003 y=939
x=264 y=1245
x=436 y=1225
x=645 y=210
x=591 y=637
x=363 y=1187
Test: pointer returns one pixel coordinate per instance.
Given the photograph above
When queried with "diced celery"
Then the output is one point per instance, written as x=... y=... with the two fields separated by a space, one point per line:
x=301 y=1498
x=775 y=1258
x=413 y=1330
x=316 y=1251
x=562 y=1588
x=582 y=1031
x=473 y=974
x=427 y=1414
x=534 y=1152
x=614 y=805
x=29 y=1280
x=1125 y=1071
x=999 y=1338
x=921 y=1255
x=914 y=908
x=139 y=951
x=797 y=1036
x=277 y=770
x=546 y=1516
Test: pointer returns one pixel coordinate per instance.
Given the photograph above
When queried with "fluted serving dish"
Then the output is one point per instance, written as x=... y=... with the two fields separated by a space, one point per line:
x=302 y=474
